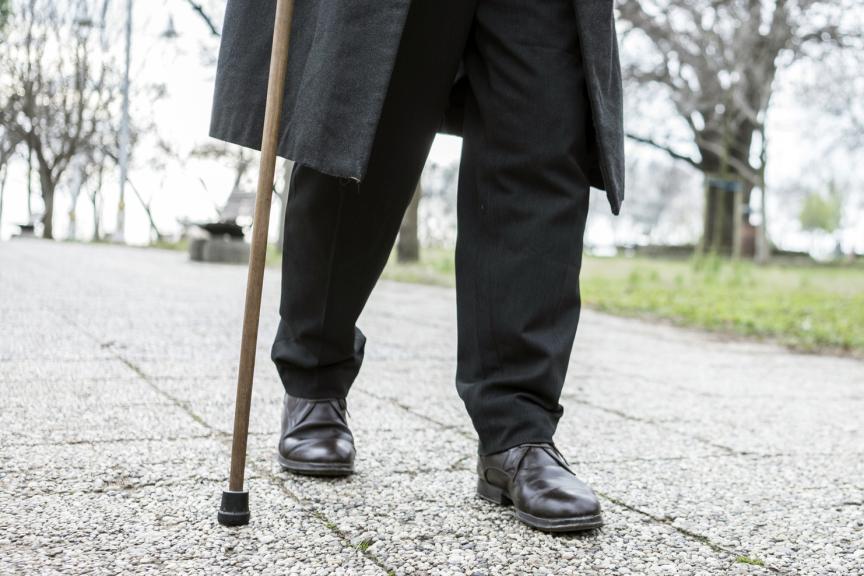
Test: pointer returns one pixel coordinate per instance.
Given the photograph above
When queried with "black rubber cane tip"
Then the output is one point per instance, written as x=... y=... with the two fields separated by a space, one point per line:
x=234 y=510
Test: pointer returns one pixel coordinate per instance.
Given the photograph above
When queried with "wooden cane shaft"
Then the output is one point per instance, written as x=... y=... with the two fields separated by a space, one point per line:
x=255 y=280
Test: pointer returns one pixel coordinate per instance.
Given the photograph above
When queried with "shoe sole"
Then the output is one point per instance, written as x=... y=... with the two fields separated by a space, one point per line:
x=315 y=468
x=499 y=496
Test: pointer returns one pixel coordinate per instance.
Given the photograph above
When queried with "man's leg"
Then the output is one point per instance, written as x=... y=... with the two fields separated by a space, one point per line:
x=523 y=202
x=338 y=234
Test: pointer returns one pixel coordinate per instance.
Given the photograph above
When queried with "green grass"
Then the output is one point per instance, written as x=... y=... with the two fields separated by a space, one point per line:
x=808 y=307
x=436 y=266
x=181 y=245
x=812 y=308
x=364 y=544
x=749 y=560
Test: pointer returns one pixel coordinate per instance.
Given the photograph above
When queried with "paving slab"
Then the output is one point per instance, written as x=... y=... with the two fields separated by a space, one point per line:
x=52 y=375
x=585 y=432
x=797 y=514
x=417 y=523
x=46 y=420
x=743 y=423
x=213 y=401
x=55 y=469
x=712 y=454
x=169 y=530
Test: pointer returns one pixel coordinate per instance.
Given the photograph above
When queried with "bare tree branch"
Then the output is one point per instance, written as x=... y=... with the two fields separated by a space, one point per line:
x=56 y=95
x=677 y=156
x=719 y=60
x=208 y=21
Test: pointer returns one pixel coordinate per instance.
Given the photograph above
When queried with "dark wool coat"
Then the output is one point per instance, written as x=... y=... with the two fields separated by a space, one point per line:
x=342 y=55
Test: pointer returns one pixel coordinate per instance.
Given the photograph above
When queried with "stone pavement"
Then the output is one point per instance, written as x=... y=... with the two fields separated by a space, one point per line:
x=117 y=370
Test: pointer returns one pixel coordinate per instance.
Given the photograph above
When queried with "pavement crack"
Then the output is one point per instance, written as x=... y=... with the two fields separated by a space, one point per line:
x=97 y=441
x=182 y=405
x=650 y=422
x=225 y=438
x=279 y=482
x=427 y=418
x=666 y=521
x=458 y=465
x=109 y=345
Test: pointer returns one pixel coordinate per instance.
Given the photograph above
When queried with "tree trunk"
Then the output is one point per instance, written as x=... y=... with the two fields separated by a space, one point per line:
x=48 y=185
x=408 y=248
x=73 y=227
x=719 y=225
x=94 y=199
x=97 y=234
x=286 y=187
x=73 y=208
x=5 y=171
x=717 y=231
x=146 y=205
x=29 y=184
x=721 y=206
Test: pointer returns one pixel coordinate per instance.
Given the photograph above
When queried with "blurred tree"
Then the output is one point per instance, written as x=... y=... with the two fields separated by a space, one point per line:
x=287 y=171
x=408 y=247
x=662 y=189
x=98 y=152
x=5 y=153
x=8 y=144
x=57 y=88
x=822 y=212
x=717 y=61
x=242 y=160
x=839 y=90
x=88 y=175
x=95 y=194
x=8 y=140
x=204 y=14
x=5 y=9
x=3 y=174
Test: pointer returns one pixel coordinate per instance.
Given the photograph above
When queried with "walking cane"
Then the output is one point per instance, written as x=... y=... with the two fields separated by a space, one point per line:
x=234 y=510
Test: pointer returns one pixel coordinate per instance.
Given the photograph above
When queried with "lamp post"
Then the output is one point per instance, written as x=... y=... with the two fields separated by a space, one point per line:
x=120 y=231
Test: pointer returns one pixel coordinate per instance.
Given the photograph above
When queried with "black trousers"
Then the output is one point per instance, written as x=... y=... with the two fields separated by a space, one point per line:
x=522 y=206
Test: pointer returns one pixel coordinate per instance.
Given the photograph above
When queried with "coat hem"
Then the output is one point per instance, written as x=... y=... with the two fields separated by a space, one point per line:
x=287 y=152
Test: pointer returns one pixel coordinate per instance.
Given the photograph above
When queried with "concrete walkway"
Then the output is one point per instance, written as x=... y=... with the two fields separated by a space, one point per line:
x=117 y=370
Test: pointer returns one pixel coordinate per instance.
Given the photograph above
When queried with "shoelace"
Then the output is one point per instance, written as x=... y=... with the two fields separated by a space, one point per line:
x=543 y=446
x=343 y=405
x=340 y=404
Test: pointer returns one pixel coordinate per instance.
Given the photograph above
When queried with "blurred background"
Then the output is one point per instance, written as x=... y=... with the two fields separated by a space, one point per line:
x=744 y=118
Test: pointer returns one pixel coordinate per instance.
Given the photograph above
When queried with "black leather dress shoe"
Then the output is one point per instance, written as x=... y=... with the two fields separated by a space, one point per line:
x=315 y=437
x=544 y=491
